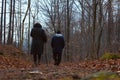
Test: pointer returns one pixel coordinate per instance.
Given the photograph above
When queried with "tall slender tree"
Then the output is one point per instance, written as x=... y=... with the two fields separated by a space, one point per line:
x=9 y=40
x=22 y=34
x=68 y=30
x=5 y=23
x=29 y=30
x=110 y=26
x=95 y=3
x=1 y=25
x=13 y=21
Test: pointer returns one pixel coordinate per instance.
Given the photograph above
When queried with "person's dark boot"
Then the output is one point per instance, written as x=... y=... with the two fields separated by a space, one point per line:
x=38 y=62
x=35 y=64
x=55 y=63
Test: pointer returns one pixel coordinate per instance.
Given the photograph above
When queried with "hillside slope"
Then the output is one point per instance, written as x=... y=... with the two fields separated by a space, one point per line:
x=12 y=57
x=15 y=65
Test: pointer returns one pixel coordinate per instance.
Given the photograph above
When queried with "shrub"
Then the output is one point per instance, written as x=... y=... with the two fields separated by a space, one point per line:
x=108 y=56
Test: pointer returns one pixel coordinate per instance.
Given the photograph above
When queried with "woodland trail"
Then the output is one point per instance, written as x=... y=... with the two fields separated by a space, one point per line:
x=14 y=65
x=66 y=71
x=43 y=72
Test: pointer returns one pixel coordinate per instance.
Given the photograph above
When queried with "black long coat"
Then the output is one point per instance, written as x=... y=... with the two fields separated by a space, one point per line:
x=38 y=39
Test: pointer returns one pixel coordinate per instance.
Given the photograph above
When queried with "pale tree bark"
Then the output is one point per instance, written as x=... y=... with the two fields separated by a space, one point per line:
x=118 y=22
x=10 y=24
x=93 y=55
x=13 y=21
x=118 y=25
x=100 y=23
x=68 y=31
x=22 y=33
x=19 y=30
x=58 y=16
x=110 y=26
x=5 y=23
x=65 y=31
x=1 y=24
x=29 y=32
x=117 y=30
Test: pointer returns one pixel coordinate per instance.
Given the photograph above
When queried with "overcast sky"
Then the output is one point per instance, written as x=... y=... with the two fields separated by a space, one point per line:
x=24 y=7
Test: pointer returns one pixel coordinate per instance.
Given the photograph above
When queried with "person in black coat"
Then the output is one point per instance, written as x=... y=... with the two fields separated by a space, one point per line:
x=57 y=44
x=38 y=39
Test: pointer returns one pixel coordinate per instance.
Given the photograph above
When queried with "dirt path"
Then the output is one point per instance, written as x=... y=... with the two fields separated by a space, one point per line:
x=66 y=71
x=42 y=72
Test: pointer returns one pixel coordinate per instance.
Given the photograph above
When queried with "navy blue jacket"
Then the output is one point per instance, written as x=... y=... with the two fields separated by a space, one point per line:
x=57 y=43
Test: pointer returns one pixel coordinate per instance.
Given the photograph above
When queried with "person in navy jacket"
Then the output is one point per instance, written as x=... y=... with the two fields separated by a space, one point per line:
x=57 y=44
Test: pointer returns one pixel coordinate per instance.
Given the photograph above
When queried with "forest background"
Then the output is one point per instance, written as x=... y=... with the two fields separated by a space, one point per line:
x=90 y=27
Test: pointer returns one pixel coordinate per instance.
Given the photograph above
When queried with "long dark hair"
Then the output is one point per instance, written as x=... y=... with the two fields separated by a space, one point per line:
x=37 y=25
x=58 y=32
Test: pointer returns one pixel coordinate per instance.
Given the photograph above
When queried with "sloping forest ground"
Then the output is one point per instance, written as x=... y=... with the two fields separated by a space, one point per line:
x=15 y=65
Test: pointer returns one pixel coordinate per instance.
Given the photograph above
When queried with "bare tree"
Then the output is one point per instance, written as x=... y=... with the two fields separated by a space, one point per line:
x=68 y=31
x=13 y=17
x=118 y=21
x=100 y=27
x=110 y=26
x=22 y=37
x=9 y=40
x=1 y=22
x=29 y=31
x=5 y=23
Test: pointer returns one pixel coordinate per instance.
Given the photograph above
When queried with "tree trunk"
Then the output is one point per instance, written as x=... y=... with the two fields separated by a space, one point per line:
x=5 y=23
x=10 y=22
x=20 y=28
x=13 y=17
x=110 y=27
x=94 y=29
x=1 y=22
x=29 y=31
x=68 y=32
x=22 y=37
x=100 y=18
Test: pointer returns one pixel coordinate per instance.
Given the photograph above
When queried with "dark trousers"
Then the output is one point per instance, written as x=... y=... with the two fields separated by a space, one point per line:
x=36 y=58
x=57 y=58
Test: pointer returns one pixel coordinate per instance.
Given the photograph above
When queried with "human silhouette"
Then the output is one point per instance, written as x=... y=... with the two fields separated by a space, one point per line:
x=39 y=38
x=57 y=44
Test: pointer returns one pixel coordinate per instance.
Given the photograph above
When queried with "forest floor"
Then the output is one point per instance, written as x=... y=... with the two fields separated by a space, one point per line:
x=14 y=65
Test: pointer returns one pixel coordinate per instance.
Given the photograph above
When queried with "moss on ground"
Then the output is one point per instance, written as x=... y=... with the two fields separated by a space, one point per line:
x=103 y=75
x=108 y=56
